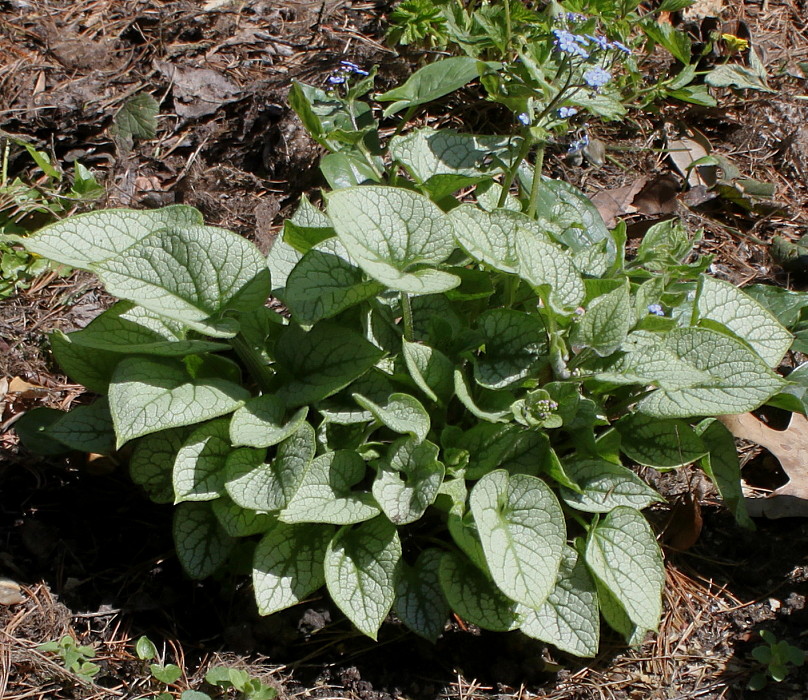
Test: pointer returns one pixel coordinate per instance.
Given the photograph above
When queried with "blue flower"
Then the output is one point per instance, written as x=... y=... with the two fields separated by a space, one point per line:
x=656 y=309
x=574 y=17
x=337 y=79
x=597 y=77
x=570 y=43
x=621 y=47
x=579 y=145
x=350 y=67
x=600 y=41
x=567 y=112
x=524 y=118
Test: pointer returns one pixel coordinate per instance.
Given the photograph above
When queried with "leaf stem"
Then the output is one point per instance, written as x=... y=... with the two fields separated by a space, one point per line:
x=261 y=372
x=406 y=316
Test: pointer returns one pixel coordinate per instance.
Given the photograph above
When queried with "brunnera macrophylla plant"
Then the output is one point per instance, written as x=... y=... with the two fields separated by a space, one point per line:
x=438 y=421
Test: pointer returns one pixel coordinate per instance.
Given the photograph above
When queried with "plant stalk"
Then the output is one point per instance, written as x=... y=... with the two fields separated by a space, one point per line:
x=258 y=369
x=406 y=317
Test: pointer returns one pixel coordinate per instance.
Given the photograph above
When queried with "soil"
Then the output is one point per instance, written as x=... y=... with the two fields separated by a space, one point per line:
x=93 y=556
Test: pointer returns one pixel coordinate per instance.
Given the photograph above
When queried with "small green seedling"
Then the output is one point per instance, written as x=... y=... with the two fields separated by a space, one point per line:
x=776 y=657
x=75 y=657
x=165 y=673
x=250 y=688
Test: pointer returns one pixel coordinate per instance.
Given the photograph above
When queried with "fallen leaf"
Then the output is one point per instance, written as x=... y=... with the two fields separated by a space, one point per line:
x=703 y=8
x=617 y=202
x=25 y=390
x=198 y=91
x=684 y=527
x=685 y=151
x=658 y=196
x=10 y=592
x=790 y=447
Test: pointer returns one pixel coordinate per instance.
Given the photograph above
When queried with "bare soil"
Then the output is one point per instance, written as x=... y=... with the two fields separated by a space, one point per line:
x=94 y=557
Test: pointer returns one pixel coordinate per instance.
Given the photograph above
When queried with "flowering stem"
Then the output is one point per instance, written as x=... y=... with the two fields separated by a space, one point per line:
x=508 y=28
x=536 y=184
x=527 y=143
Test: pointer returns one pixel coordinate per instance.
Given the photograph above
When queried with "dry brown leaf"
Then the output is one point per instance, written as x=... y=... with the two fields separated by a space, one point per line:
x=617 y=202
x=790 y=447
x=658 y=196
x=683 y=152
x=24 y=389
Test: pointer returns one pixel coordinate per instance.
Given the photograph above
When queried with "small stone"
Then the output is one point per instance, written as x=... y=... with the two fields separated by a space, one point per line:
x=10 y=592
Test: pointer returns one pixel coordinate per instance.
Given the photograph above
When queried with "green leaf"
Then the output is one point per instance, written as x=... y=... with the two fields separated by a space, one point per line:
x=238 y=521
x=322 y=285
x=737 y=76
x=199 y=469
x=461 y=387
x=321 y=362
x=401 y=413
x=360 y=572
x=659 y=443
x=193 y=695
x=147 y=395
x=745 y=318
x=722 y=466
x=191 y=274
x=606 y=322
x=84 y=239
x=430 y=369
x=343 y=170
x=260 y=422
x=202 y=544
x=145 y=649
x=604 y=486
x=569 y=617
x=515 y=347
x=443 y=161
x=565 y=207
x=740 y=380
x=622 y=552
x=93 y=370
x=420 y=603
x=545 y=265
x=474 y=596
x=127 y=328
x=166 y=674
x=490 y=237
x=325 y=494
x=288 y=565
x=430 y=82
x=152 y=462
x=281 y=260
x=408 y=479
x=494 y=446
x=85 y=428
x=392 y=233
x=253 y=484
x=522 y=531
x=137 y=118
x=617 y=618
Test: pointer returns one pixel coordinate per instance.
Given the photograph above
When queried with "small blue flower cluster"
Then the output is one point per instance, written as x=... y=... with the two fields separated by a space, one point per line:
x=344 y=72
x=570 y=43
x=578 y=145
x=566 y=112
x=524 y=118
x=597 y=77
x=656 y=309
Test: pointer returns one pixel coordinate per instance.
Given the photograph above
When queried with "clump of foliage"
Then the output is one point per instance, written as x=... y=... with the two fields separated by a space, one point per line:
x=777 y=659
x=439 y=423
x=76 y=658
x=224 y=678
x=25 y=207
